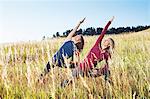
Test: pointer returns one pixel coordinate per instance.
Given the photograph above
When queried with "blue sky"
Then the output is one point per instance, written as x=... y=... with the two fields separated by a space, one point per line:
x=23 y=20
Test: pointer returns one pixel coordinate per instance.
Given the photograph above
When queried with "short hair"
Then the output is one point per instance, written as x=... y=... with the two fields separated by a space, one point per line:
x=80 y=45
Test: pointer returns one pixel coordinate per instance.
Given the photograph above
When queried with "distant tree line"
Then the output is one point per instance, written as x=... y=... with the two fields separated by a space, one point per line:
x=96 y=31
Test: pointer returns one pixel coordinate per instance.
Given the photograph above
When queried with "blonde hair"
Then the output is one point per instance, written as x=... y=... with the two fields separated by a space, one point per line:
x=112 y=45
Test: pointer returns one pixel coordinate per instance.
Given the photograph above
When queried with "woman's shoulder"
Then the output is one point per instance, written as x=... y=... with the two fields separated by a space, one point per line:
x=68 y=41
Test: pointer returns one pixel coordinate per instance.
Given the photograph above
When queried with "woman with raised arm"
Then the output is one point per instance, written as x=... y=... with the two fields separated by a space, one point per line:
x=72 y=45
x=100 y=51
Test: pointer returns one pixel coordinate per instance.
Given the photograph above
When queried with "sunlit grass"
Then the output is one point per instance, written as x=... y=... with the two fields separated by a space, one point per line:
x=21 y=64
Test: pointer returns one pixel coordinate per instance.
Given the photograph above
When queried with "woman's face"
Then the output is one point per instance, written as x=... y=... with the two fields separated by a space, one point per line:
x=106 y=43
x=78 y=38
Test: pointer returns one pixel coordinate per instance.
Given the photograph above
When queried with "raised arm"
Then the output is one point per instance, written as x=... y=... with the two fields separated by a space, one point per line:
x=74 y=30
x=103 y=32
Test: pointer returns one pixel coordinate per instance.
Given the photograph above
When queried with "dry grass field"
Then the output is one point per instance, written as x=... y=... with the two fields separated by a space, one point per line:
x=21 y=64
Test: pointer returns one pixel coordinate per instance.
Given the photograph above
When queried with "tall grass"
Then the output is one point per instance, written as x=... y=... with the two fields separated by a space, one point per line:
x=21 y=64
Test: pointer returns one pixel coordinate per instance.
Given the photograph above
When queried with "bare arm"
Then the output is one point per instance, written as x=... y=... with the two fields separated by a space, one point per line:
x=74 y=30
x=75 y=62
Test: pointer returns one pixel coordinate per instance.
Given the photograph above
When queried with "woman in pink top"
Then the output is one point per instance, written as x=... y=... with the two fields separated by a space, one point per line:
x=100 y=51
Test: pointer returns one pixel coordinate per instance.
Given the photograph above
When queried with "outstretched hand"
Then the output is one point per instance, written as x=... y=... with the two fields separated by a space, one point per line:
x=112 y=19
x=82 y=20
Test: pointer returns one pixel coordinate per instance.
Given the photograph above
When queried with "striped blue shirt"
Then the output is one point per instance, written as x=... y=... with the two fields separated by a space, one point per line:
x=66 y=50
